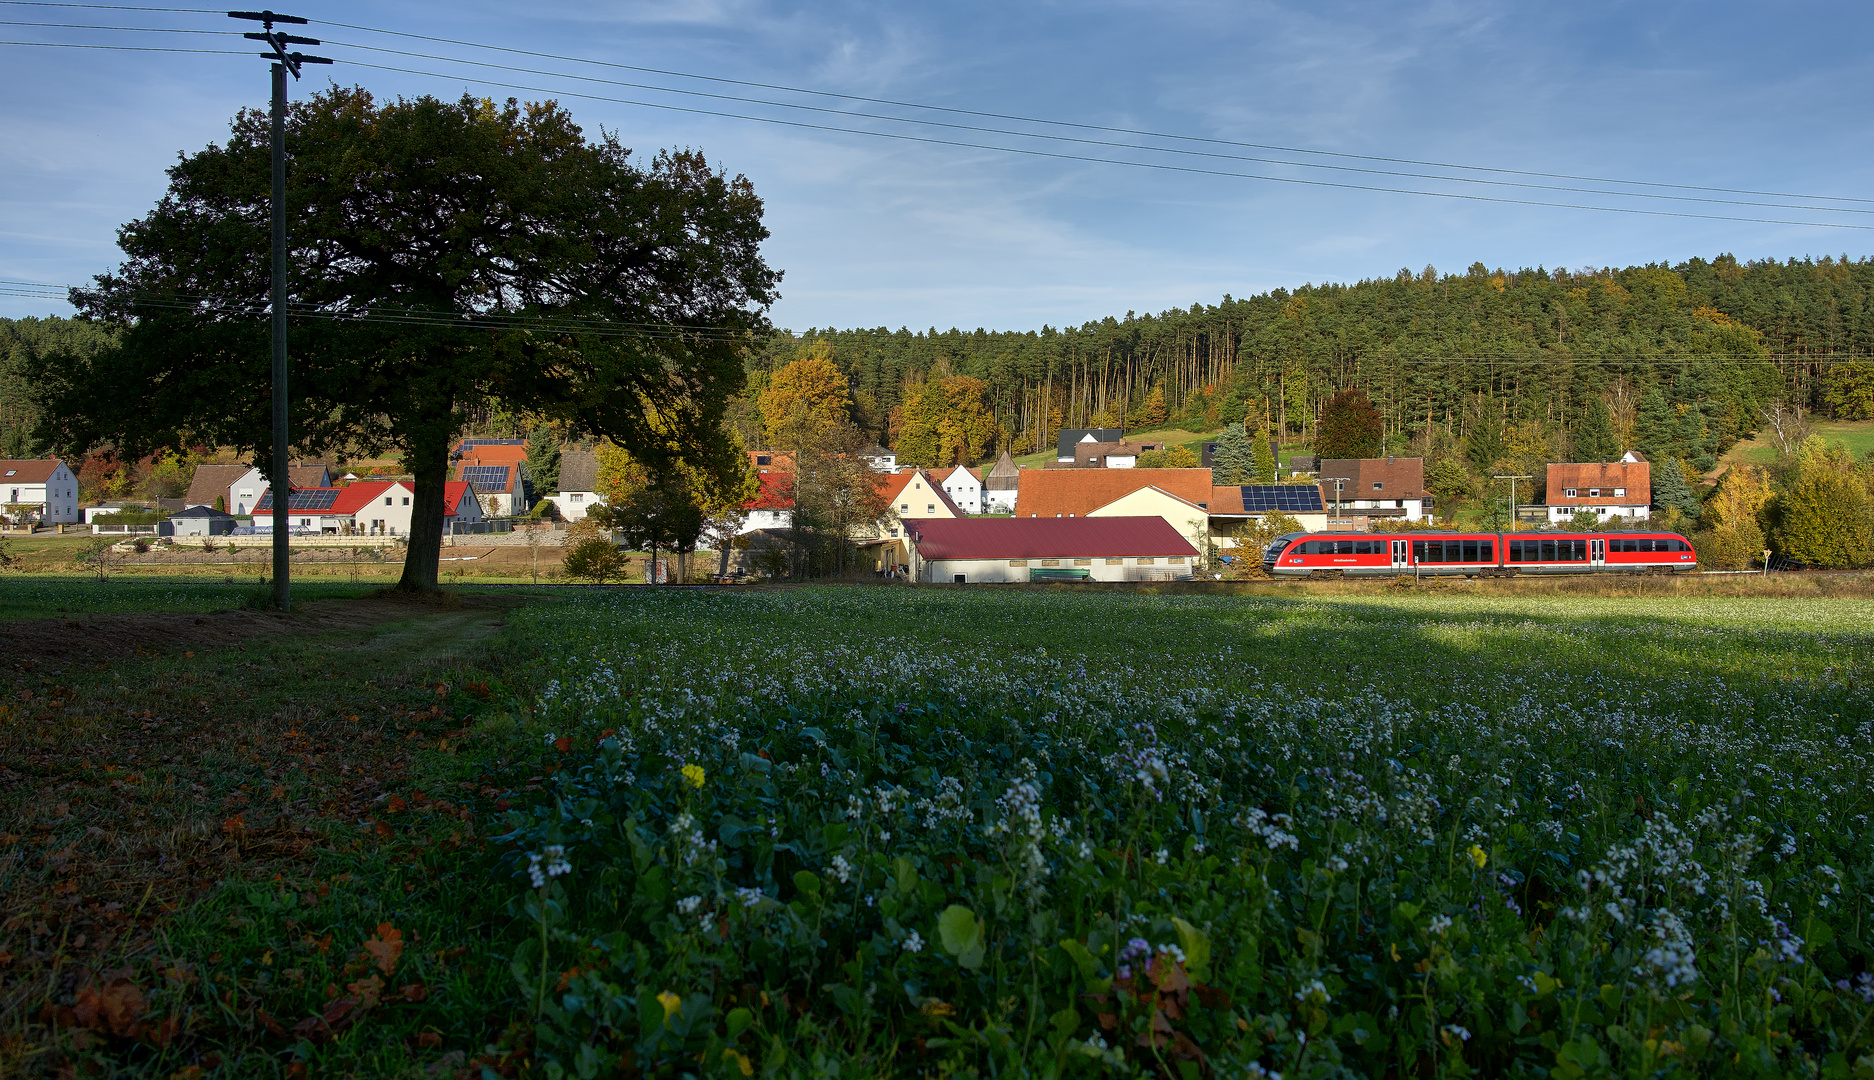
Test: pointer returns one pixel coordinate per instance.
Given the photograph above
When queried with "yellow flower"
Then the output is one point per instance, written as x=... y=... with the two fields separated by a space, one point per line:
x=741 y=1061
x=1478 y=856
x=694 y=774
x=671 y=1004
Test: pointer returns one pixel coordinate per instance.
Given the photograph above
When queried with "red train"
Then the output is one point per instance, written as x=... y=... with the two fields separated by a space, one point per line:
x=1477 y=554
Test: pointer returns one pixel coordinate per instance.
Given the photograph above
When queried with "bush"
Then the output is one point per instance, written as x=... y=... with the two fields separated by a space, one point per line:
x=596 y=559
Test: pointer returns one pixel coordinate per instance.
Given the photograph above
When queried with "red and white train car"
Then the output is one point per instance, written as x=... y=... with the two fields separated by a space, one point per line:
x=1477 y=554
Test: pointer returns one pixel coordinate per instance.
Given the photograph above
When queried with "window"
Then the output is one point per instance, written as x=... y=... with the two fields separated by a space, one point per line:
x=1594 y=493
x=1470 y=550
x=1620 y=491
x=1083 y=562
x=1018 y=562
x=1568 y=493
x=1115 y=562
x=761 y=459
x=1050 y=562
x=1343 y=547
x=1177 y=560
x=1146 y=562
x=904 y=508
x=406 y=500
x=1379 y=485
x=930 y=508
x=387 y=500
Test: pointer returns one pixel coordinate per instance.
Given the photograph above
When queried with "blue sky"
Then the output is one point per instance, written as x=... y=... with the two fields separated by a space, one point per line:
x=885 y=232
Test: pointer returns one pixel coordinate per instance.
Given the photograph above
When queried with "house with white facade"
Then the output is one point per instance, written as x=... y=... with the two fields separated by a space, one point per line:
x=1615 y=491
x=772 y=507
x=1018 y=549
x=367 y=508
x=42 y=488
x=1388 y=487
x=964 y=486
x=1000 y=486
x=579 y=484
x=245 y=490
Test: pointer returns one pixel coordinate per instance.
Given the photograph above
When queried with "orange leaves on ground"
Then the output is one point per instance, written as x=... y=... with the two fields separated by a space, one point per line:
x=563 y=743
x=386 y=947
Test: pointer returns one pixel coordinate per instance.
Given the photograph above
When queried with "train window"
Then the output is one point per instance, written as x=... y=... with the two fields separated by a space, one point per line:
x=1434 y=551
x=1486 y=550
x=1578 y=550
x=1625 y=545
x=1343 y=547
x=1418 y=551
x=1646 y=545
x=1548 y=550
x=1470 y=551
x=1680 y=545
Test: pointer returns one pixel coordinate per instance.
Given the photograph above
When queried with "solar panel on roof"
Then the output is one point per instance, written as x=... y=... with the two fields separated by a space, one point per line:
x=486 y=478
x=1287 y=498
x=307 y=499
x=493 y=442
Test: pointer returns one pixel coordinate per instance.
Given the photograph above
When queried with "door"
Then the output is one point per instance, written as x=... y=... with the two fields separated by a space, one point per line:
x=1597 y=554
x=1398 y=554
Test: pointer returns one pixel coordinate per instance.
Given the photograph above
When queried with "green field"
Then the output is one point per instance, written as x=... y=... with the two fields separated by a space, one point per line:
x=948 y=832
x=1857 y=435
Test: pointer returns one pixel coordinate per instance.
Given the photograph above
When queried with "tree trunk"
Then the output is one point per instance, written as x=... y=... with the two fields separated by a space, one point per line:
x=428 y=461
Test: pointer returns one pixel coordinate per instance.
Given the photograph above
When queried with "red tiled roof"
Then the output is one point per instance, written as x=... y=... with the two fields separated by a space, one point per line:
x=453 y=492
x=29 y=471
x=1637 y=478
x=1044 y=538
x=1046 y=493
x=778 y=461
x=361 y=494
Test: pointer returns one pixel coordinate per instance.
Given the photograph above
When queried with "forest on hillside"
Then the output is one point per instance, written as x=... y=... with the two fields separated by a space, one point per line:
x=1454 y=356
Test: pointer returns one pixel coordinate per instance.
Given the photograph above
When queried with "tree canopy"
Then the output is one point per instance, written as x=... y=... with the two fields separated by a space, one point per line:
x=443 y=255
x=1350 y=427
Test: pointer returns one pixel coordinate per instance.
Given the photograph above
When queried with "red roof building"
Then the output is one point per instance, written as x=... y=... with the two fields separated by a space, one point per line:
x=1020 y=549
x=1065 y=493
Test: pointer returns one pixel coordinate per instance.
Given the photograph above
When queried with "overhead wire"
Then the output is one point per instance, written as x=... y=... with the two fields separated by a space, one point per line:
x=1056 y=123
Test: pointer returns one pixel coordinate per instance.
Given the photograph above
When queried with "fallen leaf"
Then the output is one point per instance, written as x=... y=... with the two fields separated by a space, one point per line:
x=429 y=1040
x=386 y=947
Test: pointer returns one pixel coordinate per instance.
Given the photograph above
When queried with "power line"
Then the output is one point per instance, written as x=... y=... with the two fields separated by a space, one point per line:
x=1100 y=142
x=1082 y=126
x=1005 y=116
x=122 y=48
x=138 y=29
x=1158 y=166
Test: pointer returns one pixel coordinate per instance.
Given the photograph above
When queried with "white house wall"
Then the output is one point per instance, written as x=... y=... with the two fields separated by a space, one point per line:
x=1104 y=568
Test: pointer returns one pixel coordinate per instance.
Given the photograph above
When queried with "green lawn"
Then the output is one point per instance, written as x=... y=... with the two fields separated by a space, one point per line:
x=956 y=831
x=1857 y=434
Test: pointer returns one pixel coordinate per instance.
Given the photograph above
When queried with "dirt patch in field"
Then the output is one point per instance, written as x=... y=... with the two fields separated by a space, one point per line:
x=90 y=638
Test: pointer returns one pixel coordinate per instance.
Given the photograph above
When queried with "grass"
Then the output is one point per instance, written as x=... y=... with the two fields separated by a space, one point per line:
x=1858 y=435
x=895 y=831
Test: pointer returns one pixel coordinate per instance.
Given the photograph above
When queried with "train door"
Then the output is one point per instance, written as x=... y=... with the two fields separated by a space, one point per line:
x=1399 y=555
x=1597 y=554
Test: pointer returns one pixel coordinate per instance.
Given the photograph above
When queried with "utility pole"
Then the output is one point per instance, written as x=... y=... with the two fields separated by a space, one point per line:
x=284 y=62
x=1338 y=481
x=1512 y=480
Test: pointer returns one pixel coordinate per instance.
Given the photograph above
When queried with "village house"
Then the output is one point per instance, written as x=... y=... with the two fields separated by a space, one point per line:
x=1078 y=492
x=773 y=507
x=579 y=484
x=1388 y=487
x=1000 y=486
x=43 y=488
x=245 y=489
x=1612 y=490
x=1018 y=549
x=1068 y=438
x=1191 y=520
x=912 y=495
x=367 y=508
x=1232 y=508
x=964 y=486
x=498 y=470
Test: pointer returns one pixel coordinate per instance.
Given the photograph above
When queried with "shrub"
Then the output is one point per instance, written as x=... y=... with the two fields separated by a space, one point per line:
x=596 y=559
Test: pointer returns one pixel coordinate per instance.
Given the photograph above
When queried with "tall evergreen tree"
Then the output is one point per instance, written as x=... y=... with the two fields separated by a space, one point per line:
x=1265 y=457
x=1484 y=447
x=1595 y=438
x=543 y=461
x=1234 y=461
x=1655 y=429
x=1350 y=427
x=1670 y=491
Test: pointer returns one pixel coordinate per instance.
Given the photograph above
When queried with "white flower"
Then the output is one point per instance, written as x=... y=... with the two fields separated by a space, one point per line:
x=748 y=897
x=842 y=869
x=689 y=904
x=1313 y=990
x=1441 y=924
x=914 y=943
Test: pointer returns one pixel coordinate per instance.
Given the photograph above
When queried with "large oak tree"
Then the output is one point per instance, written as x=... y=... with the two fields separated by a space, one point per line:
x=442 y=255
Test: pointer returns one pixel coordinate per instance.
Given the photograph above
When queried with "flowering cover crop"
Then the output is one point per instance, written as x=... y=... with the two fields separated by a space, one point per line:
x=872 y=832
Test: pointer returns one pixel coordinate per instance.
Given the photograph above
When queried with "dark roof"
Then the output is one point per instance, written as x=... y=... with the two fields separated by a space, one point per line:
x=1045 y=538
x=1262 y=498
x=212 y=482
x=1005 y=476
x=200 y=511
x=579 y=470
x=301 y=499
x=1402 y=477
x=490 y=479
x=1064 y=444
